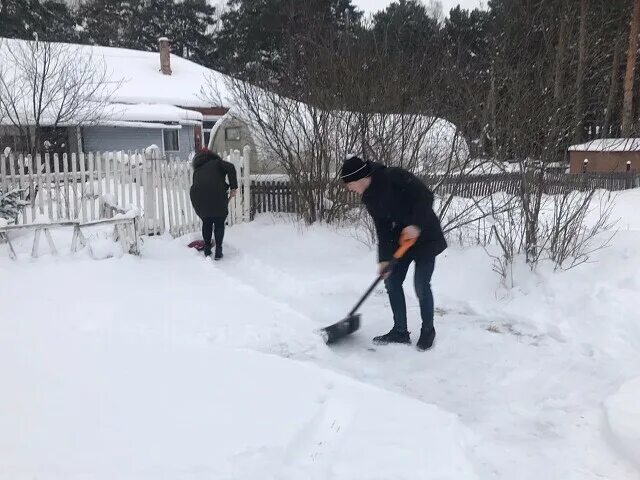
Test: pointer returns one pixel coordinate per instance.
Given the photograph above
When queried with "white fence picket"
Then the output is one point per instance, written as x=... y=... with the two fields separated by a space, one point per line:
x=32 y=189
x=130 y=181
x=48 y=186
x=57 y=188
x=85 y=186
x=139 y=192
x=4 y=180
x=156 y=185
x=171 y=197
x=22 y=181
x=41 y=185
x=246 y=185
x=107 y=174
x=67 y=197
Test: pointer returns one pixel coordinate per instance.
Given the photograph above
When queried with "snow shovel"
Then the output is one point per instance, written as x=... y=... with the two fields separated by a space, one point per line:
x=351 y=322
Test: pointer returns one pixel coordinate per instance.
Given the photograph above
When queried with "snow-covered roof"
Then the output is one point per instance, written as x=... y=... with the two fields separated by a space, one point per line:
x=141 y=80
x=151 y=113
x=608 y=145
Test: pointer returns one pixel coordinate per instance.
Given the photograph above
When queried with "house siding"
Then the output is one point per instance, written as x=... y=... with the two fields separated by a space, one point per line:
x=106 y=139
x=605 y=162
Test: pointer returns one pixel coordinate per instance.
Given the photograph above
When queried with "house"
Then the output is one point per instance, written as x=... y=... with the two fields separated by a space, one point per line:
x=157 y=99
x=606 y=155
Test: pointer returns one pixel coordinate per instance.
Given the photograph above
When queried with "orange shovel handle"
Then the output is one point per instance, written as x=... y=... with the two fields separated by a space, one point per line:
x=405 y=244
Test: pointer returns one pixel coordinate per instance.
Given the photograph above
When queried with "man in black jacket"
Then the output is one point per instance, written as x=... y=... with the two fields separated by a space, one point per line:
x=209 y=196
x=400 y=203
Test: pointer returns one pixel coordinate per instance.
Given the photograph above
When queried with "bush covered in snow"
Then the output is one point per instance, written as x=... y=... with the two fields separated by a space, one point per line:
x=11 y=203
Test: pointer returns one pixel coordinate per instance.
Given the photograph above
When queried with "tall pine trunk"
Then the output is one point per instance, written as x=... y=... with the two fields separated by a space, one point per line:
x=559 y=61
x=613 y=89
x=582 y=60
x=627 y=108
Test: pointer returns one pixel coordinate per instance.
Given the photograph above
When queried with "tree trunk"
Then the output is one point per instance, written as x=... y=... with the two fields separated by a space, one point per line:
x=582 y=60
x=627 y=109
x=559 y=67
x=613 y=89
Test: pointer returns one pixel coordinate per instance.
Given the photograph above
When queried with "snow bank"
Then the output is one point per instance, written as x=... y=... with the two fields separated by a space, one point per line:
x=138 y=375
x=623 y=416
x=132 y=409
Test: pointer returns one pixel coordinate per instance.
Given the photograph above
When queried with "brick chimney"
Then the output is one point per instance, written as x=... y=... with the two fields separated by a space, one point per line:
x=165 y=55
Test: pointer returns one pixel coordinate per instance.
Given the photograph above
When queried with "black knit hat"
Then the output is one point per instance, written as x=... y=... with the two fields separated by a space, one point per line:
x=354 y=168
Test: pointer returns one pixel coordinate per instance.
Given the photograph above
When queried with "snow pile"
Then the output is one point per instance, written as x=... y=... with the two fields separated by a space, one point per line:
x=153 y=370
x=623 y=416
x=129 y=408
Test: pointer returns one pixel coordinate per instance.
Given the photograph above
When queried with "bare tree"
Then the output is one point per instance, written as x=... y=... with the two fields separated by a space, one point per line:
x=300 y=139
x=50 y=85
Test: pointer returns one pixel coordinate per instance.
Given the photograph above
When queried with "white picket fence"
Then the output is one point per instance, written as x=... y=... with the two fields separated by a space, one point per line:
x=76 y=187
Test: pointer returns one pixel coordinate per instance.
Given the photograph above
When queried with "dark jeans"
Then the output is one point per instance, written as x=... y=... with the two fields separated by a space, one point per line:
x=422 y=284
x=208 y=224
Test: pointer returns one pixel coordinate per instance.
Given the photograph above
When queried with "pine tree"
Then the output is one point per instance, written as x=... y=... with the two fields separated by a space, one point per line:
x=105 y=22
x=261 y=39
x=27 y=19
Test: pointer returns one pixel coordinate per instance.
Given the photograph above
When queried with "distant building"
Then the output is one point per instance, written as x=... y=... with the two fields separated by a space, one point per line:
x=607 y=155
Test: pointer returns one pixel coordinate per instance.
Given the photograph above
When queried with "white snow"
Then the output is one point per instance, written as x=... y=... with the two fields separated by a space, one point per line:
x=623 y=415
x=153 y=113
x=165 y=366
x=608 y=145
x=137 y=76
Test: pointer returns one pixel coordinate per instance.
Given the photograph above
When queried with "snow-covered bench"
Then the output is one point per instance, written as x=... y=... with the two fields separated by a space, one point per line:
x=38 y=228
x=125 y=231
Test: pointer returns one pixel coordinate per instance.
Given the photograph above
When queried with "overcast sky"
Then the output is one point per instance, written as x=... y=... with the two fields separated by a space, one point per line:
x=372 y=6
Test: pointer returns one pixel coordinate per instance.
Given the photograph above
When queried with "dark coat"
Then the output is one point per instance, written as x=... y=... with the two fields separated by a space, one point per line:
x=209 y=189
x=396 y=199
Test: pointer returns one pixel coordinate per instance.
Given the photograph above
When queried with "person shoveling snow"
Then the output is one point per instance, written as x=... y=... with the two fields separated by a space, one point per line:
x=209 y=196
x=400 y=205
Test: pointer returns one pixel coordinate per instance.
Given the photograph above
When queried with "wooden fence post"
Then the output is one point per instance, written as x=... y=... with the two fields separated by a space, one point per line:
x=246 y=184
x=149 y=193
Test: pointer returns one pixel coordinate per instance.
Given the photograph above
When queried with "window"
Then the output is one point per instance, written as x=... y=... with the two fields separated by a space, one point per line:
x=232 y=133
x=171 y=143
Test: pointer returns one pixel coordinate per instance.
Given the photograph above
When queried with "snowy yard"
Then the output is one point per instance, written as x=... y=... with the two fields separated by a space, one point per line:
x=169 y=367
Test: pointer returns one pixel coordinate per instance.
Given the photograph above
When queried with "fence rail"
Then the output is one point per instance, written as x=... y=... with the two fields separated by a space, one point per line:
x=277 y=196
x=76 y=187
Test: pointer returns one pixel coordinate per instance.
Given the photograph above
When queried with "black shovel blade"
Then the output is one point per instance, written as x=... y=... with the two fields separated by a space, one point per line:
x=341 y=329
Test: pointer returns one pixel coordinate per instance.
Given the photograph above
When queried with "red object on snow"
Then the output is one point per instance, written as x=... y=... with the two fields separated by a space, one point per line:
x=197 y=244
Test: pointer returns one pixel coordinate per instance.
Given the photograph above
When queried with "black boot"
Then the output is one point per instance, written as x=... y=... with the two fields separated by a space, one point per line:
x=218 y=254
x=426 y=339
x=393 y=336
x=207 y=249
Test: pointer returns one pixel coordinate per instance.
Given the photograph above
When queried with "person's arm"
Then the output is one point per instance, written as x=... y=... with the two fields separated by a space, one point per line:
x=230 y=171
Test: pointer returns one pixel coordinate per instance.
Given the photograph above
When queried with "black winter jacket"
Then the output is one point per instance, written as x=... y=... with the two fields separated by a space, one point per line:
x=209 y=189
x=396 y=199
